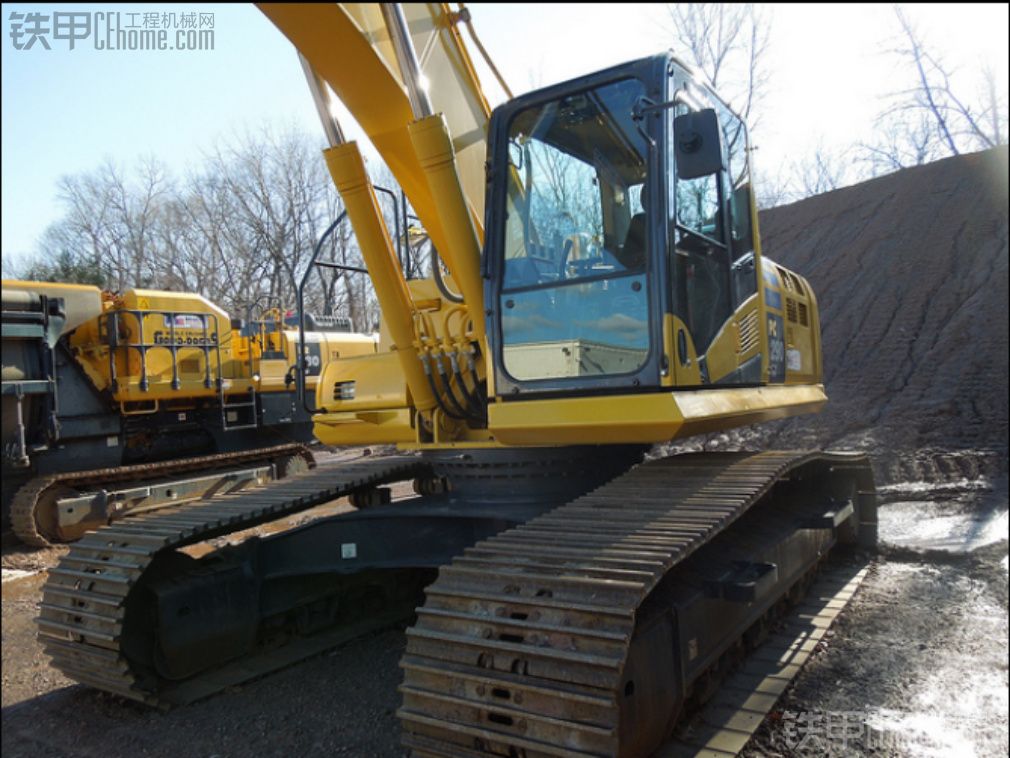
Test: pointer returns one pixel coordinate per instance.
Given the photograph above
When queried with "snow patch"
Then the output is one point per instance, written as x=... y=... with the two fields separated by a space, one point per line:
x=918 y=733
x=10 y=575
x=955 y=485
x=924 y=526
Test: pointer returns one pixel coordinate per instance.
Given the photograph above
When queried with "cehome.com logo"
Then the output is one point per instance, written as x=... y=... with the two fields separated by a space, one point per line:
x=112 y=31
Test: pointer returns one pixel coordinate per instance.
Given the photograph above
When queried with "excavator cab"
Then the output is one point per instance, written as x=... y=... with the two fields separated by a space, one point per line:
x=618 y=249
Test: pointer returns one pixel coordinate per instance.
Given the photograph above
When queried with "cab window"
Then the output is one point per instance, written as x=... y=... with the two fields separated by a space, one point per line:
x=574 y=300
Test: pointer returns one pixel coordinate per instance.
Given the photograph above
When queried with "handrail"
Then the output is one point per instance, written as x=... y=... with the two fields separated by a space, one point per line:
x=300 y=362
x=142 y=346
x=401 y=253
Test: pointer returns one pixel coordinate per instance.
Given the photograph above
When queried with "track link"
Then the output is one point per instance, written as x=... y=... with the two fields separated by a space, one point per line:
x=522 y=647
x=26 y=502
x=83 y=611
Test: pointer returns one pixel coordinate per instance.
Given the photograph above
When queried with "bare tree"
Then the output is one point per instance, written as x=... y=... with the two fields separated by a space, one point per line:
x=728 y=44
x=240 y=231
x=86 y=226
x=111 y=221
x=774 y=189
x=63 y=263
x=821 y=171
x=994 y=113
x=901 y=140
x=931 y=118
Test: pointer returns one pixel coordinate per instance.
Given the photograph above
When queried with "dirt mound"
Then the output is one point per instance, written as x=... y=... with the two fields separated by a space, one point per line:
x=910 y=272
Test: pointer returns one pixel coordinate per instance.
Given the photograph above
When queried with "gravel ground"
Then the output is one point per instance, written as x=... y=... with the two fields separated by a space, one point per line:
x=917 y=664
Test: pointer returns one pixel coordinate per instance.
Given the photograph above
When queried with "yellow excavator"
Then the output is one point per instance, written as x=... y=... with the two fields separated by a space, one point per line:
x=597 y=287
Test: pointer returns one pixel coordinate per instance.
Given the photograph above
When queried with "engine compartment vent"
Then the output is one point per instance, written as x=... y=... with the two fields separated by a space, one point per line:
x=343 y=391
x=791 y=310
x=748 y=330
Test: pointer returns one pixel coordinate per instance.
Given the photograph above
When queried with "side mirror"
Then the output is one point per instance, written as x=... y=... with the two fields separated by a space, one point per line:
x=697 y=144
x=743 y=240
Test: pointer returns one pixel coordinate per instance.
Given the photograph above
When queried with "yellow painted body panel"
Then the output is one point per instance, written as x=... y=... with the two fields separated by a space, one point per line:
x=801 y=323
x=333 y=346
x=684 y=374
x=379 y=427
x=377 y=384
x=645 y=418
x=186 y=324
x=728 y=350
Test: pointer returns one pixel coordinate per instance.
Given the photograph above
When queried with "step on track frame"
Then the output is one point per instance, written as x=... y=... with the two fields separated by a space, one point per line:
x=726 y=723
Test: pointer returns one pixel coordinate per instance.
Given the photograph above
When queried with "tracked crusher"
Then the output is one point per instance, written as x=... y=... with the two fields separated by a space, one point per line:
x=120 y=403
x=584 y=628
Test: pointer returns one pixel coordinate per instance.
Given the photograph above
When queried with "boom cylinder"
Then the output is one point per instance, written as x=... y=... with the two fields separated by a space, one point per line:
x=347 y=167
x=334 y=134
x=433 y=146
x=406 y=56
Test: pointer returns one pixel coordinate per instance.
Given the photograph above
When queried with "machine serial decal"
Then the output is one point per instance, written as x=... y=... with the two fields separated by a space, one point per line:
x=776 y=349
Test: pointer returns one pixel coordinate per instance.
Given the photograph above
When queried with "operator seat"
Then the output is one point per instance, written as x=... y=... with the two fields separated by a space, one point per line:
x=632 y=252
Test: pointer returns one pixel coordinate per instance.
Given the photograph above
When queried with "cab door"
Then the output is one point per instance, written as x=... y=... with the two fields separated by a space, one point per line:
x=712 y=262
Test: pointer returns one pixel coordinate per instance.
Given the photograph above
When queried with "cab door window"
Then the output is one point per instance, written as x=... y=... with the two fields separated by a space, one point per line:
x=701 y=259
x=574 y=298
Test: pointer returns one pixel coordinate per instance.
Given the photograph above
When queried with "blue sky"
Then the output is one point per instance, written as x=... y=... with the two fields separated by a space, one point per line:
x=64 y=112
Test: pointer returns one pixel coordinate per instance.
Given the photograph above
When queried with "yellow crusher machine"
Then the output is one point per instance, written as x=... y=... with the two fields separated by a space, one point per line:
x=125 y=403
x=598 y=287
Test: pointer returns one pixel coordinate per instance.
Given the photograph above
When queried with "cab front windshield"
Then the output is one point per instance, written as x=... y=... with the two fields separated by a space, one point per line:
x=574 y=295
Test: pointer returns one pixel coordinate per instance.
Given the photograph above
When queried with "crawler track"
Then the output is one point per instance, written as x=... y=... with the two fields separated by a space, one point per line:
x=85 y=600
x=26 y=503
x=525 y=645
x=552 y=638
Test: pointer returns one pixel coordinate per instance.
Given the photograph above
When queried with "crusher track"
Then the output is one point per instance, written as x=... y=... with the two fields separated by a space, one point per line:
x=25 y=505
x=522 y=646
x=84 y=600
